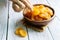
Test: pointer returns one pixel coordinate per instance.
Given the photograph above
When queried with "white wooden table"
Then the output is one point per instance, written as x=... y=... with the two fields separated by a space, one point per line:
x=9 y=18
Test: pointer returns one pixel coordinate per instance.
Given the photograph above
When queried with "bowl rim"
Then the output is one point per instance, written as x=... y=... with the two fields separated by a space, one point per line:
x=42 y=20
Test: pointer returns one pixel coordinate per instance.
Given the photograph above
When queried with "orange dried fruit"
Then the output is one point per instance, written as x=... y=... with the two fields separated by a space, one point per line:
x=35 y=11
x=17 y=31
x=40 y=12
x=37 y=18
x=41 y=6
x=45 y=16
x=21 y=32
x=49 y=11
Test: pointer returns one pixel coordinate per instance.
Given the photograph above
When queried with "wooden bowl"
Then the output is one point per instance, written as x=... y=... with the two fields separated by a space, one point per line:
x=39 y=23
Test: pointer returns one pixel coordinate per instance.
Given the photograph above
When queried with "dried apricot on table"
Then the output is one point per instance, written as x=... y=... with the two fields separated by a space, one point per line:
x=21 y=32
x=17 y=31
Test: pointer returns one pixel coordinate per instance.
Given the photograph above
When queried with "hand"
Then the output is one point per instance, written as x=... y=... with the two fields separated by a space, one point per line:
x=17 y=5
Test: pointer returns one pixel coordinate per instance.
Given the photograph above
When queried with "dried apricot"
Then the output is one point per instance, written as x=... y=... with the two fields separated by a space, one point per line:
x=35 y=11
x=21 y=32
x=49 y=11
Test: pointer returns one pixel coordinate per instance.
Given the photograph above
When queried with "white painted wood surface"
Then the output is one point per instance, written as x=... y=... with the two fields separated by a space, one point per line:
x=3 y=20
x=54 y=26
x=33 y=35
x=14 y=21
x=56 y=5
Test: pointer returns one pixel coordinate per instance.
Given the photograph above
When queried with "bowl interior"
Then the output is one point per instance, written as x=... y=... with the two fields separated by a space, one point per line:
x=24 y=12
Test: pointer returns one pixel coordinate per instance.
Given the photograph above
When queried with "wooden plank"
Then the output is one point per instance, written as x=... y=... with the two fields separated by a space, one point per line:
x=56 y=5
x=33 y=35
x=3 y=20
x=38 y=2
x=54 y=2
x=14 y=17
x=54 y=26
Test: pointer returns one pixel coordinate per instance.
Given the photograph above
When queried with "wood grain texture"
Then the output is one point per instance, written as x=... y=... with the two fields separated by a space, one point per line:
x=56 y=5
x=14 y=22
x=51 y=33
x=3 y=20
x=54 y=26
x=38 y=2
x=33 y=35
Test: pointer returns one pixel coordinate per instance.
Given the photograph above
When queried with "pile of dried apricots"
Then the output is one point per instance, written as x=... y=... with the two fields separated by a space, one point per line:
x=39 y=13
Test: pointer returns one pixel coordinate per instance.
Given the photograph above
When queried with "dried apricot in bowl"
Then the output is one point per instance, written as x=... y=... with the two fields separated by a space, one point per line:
x=45 y=16
x=49 y=11
x=38 y=18
x=35 y=11
x=40 y=11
